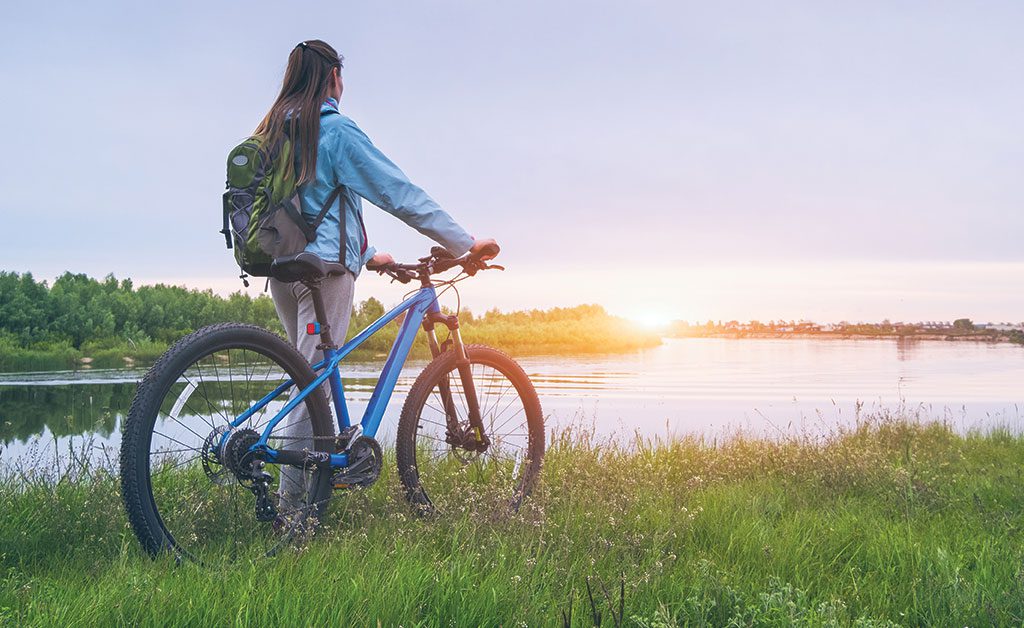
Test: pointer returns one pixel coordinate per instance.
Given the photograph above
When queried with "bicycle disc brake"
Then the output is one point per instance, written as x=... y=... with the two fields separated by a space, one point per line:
x=212 y=466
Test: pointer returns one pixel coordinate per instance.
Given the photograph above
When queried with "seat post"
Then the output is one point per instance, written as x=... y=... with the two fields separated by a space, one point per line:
x=326 y=339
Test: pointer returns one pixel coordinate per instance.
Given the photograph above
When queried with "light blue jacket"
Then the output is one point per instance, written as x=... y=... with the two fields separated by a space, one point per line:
x=346 y=157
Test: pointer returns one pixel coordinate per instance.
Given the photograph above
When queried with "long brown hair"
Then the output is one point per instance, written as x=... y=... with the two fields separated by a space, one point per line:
x=304 y=89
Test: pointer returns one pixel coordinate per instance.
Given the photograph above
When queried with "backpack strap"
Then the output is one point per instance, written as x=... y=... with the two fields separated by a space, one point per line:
x=293 y=207
x=327 y=206
x=294 y=210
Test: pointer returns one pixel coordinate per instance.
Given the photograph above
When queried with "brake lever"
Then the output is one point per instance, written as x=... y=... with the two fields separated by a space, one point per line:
x=395 y=275
x=473 y=266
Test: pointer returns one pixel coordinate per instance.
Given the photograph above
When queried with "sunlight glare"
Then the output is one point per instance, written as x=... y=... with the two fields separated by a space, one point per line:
x=650 y=319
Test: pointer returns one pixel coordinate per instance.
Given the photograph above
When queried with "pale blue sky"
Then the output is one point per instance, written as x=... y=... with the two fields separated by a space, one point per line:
x=834 y=160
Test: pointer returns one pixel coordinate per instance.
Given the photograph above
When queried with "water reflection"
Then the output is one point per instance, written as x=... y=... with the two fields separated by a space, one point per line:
x=67 y=410
x=685 y=386
x=906 y=346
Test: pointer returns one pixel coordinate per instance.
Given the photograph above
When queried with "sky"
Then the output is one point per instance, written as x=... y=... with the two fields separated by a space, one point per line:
x=668 y=160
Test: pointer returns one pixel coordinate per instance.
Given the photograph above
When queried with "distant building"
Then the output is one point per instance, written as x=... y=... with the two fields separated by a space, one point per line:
x=1000 y=327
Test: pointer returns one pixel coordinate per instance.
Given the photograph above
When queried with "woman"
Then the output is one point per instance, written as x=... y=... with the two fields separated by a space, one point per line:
x=332 y=153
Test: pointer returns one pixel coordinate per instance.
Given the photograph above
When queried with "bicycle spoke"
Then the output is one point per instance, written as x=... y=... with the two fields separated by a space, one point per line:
x=508 y=420
x=202 y=391
x=173 y=439
x=178 y=465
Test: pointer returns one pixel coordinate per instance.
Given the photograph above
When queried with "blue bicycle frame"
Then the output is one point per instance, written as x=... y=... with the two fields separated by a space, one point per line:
x=419 y=305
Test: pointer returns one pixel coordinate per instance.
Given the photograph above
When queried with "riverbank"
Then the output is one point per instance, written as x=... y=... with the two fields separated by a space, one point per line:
x=560 y=331
x=891 y=522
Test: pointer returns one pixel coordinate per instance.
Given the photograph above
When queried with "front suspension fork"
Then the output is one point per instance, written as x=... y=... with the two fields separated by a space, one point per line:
x=473 y=439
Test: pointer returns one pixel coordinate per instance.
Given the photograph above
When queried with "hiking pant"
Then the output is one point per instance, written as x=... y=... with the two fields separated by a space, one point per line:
x=294 y=306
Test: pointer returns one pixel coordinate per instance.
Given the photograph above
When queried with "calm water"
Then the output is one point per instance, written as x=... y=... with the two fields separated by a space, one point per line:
x=705 y=386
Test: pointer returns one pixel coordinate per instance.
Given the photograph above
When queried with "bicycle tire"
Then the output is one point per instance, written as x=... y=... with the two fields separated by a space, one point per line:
x=411 y=422
x=146 y=520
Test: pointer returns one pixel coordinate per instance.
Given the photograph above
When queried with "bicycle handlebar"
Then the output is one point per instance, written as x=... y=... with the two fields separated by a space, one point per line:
x=440 y=260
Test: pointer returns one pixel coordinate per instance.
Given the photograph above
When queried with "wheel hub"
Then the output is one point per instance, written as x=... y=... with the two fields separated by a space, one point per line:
x=467 y=438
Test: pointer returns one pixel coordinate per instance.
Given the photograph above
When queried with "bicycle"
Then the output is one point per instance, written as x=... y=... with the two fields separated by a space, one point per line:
x=229 y=447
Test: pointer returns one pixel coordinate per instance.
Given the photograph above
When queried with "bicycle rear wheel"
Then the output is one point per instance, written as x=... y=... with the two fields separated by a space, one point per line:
x=438 y=464
x=186 y=476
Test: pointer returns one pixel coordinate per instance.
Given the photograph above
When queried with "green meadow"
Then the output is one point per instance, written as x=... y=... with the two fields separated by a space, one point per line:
x=894 y=522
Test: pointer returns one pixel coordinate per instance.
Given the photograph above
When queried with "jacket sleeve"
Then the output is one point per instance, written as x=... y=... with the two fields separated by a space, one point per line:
x=364 y=169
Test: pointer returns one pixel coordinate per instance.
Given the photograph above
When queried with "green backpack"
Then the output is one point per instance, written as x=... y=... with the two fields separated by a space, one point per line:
x=262 y=214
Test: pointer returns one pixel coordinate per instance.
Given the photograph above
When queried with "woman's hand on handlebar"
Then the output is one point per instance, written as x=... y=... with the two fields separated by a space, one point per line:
x=485 y=249
x=475 y=260
x=384 y=264
x=379 y=260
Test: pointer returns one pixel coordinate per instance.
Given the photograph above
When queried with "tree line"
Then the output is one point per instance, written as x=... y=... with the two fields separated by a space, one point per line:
x=105 y=321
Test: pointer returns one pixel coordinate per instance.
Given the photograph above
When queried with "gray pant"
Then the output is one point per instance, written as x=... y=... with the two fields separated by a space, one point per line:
x=294 y=306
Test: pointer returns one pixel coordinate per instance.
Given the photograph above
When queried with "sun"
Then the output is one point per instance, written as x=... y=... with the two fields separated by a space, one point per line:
x=650 y=319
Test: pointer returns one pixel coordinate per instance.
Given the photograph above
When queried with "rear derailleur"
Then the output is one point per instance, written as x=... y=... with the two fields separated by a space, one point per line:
x=233 y=453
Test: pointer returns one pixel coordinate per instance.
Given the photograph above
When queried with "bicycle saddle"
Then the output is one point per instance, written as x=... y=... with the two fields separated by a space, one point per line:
x=304 y=266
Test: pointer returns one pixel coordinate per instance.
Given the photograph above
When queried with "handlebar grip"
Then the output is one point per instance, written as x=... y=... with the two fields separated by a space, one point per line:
x=391 y=270
x=490 y=250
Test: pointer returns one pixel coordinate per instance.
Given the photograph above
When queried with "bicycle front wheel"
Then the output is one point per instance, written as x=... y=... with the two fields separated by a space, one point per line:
x=188 y=480
x=444 y=463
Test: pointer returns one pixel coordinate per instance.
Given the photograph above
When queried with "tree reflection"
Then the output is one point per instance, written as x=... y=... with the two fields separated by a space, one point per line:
x=25 y=411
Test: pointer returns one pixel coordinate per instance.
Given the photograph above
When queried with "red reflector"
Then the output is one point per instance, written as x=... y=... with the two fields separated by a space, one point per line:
x=313 y=328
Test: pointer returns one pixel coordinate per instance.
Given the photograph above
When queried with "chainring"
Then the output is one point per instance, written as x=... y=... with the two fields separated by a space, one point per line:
x=366 y=459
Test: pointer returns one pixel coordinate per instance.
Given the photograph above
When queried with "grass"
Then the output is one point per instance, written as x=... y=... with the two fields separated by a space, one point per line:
x=892 y=522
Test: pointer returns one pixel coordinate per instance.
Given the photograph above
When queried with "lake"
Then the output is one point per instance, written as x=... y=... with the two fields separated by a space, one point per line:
x=707 y=386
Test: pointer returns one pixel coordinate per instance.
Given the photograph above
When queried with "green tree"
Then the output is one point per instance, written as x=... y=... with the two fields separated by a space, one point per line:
x=963 y=324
